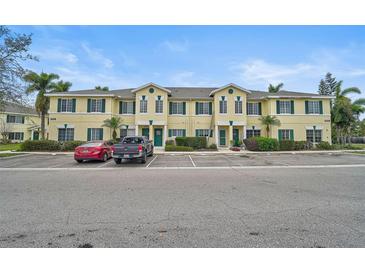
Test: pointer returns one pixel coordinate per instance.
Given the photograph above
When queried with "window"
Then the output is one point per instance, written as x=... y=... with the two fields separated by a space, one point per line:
x=96 y=105
x=285 y=107
x=143 y=105
x=253 y=133
x=317 y=133
x=177 y=133
x=254 y=108
x=202 y=132
x=133 y=140
x=127 y=132
x=16 y=135
x=203 y=108
x=15 y=119
x=286 y=134
x=238 y=105
x=223 y=105
x=65 y=134
x=66 y=105
x=313 y=107
x=177 y=108
x=94 y=134
x=159 y=105
x=126 y=107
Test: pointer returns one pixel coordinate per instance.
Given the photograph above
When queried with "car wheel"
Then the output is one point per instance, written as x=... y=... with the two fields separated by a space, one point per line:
x=105 y=157
x=117 y=161
x=79 y=161
x=144 y=158
x=151 y=153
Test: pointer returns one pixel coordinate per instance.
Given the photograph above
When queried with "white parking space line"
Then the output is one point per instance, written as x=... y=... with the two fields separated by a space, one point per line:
x=152 y=161
x=194 y=165
x=104 y=164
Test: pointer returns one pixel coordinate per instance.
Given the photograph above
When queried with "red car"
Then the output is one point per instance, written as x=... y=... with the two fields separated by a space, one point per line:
x=95 y=150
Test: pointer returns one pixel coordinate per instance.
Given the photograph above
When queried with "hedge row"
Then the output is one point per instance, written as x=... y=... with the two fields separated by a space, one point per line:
x=49 y=145
x=194 y=142
x=177 y=148
x=271 y=144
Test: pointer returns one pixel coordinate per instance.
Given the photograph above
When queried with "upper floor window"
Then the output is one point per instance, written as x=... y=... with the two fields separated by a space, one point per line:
x=95 y=105
x=66 y=105
x=254 y=108
x=16 y=119
x=203 y=108
x=177 y=108
x=223 y=105
x=127 y=107
x=313 y=107
x=238 y=105
x=285 y=107
x=143 y=104
x=159 y=104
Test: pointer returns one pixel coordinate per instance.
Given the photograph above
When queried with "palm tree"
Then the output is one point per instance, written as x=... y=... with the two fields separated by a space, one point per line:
x=275 y=89
x=102 y=88
x=269 y=121
x=41 y=83
x=61 y=86
x=339 y=93
x=113 y=123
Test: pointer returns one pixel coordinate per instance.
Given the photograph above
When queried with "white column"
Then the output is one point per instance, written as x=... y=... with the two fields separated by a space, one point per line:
x=164 y=135
x=136 y=130
x=244 y=132
x=216 y=135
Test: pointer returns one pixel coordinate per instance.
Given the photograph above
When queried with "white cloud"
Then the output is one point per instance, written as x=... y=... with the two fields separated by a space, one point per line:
x=176 y=46
x=57 y=54
x=97 y=56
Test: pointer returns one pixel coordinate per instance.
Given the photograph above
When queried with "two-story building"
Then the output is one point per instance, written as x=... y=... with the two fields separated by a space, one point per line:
x=221 y=114
x=19 y=122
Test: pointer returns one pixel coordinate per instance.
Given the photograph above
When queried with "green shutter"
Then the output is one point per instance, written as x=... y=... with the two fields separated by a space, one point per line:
x=73 y=105
x=210 y=108
x=88 y=134
x=184 y=108
x=196 y=133
x=196 y=108
x=170 y=133
x=88 y=105
x=170 y=108
x=184 y=132
x=120 y=107
x=22 y=119
x=320 y=107
x=59 y=105
x=292 y=134
x=7 y=118
x=277 y=107
x=101 y=134
x=292 y=107
x=134 y=107
x=259 y=108
x=22 y=136
x=211 y=133
x=102 y=105
x=306 y=107
x=279 y=135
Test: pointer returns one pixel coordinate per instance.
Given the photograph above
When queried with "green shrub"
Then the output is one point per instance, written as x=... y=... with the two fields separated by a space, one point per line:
x=70 y=145
x=251 y=144
x=212 y=146
x=194 y=142
x=286 y=145
x=301 y=145
x=324 y=146
x=267 y=144
x=41 y=145
x=170 y=142
x=177 y=148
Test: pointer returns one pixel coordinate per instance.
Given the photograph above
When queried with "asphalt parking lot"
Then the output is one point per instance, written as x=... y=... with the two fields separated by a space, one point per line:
x=187 y=161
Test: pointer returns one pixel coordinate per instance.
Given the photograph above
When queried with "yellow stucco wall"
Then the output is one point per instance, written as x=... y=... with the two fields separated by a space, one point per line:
x=81 y=120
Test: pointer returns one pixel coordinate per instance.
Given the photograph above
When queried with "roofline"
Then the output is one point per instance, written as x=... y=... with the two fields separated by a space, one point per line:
x=299 y=97
x=151 y=84
x=78 y=95
x=229 y=85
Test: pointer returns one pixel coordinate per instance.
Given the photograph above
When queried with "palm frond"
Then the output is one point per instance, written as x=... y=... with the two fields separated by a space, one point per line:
x=350 y=90
x=360 y=102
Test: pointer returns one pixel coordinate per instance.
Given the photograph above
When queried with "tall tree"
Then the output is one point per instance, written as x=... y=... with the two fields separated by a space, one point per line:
x=113 y=123
x=41 y=83
x=327 y=86
x=102 y=88
x=14 y=50
x=269 y=121
x=275 y=89
x=61 y=86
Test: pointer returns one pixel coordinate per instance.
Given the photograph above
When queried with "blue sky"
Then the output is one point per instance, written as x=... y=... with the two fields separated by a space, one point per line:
x=251 y=56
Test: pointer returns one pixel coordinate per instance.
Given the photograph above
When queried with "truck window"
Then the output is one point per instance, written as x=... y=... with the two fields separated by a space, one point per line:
x=132 y=140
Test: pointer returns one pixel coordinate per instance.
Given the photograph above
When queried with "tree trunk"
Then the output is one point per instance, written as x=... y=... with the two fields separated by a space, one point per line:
x=43 y=118
x=268 y=131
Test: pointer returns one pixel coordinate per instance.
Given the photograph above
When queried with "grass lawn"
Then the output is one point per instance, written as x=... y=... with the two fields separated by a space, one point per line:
x=359 y=146
x=9 y=147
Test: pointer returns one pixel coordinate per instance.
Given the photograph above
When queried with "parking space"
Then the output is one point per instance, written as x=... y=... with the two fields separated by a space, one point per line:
x=187 y=161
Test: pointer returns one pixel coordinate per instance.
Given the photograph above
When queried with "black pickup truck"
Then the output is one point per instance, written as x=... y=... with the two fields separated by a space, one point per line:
x=132 y=147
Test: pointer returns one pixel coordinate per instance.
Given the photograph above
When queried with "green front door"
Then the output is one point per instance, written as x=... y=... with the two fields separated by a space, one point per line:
x=36 y=135
x=158 y=137
x=236 y=135
x=222 y=137
x=146 y=132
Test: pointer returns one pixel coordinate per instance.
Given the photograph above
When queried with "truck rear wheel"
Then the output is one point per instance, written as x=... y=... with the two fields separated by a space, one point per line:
x=144 y=158
x=117 y=161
